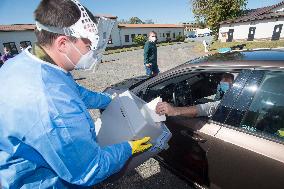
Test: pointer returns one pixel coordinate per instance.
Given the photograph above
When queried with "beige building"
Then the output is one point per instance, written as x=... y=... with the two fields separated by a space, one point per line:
x=260 y=24
x=122 y=34
x=127 y=32
x=190 y=27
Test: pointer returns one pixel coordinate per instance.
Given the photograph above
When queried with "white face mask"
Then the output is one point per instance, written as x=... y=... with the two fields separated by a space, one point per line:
x=153 y=39
x=86 y=61
x=98 y=33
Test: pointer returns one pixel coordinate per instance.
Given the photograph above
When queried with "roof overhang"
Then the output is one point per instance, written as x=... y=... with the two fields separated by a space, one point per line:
x=150 y=26
x=258 y=14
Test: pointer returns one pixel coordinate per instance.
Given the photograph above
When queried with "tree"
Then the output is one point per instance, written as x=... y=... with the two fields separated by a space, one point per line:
x=140 y=39
x=150 y=21
x=212 y=12
x=123 y=21
x=201 y=24
x=180 y=38
x=135 y=20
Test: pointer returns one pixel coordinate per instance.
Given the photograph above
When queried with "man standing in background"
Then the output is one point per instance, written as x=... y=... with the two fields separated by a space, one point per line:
x=150 y=55
x=7 y=54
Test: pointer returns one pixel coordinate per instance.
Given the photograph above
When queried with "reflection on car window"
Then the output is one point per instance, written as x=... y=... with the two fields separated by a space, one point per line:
x=229 y=98
x=266 y=112
x=241 y=106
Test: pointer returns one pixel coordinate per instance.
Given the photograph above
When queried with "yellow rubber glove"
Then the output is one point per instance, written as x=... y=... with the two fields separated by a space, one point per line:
x=140 y=145
x=281 y=132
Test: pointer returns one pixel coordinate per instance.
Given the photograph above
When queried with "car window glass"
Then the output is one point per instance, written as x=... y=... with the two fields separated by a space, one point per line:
x=242 y=103
x=266 y=112
x=229 y=98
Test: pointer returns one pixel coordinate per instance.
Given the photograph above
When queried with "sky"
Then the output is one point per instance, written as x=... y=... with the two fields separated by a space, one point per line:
x=160 y=11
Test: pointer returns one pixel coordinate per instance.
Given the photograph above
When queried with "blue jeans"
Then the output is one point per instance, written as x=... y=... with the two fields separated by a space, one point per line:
x=152 y=71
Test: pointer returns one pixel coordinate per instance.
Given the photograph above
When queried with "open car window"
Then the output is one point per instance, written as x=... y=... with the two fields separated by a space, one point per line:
x=187 y=89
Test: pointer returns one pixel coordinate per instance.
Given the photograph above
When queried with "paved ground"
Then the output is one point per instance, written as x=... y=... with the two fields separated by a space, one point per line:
x=120 y=66
x=116 y=68
x=208 y=39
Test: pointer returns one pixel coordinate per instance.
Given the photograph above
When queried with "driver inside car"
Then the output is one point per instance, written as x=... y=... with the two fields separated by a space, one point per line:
x=207 y=109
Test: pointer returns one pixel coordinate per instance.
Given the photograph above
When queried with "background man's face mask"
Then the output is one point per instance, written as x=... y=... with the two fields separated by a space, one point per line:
x=98 y=33
x=153 y=39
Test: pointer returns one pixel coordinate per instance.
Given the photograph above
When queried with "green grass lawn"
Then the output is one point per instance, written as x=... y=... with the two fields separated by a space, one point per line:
x=248 y=44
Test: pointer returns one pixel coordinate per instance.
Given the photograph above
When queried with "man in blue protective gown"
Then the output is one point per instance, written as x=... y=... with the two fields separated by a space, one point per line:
x=47 y=137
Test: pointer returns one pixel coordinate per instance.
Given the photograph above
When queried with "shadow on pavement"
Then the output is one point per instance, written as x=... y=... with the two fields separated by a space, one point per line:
x=133 y=180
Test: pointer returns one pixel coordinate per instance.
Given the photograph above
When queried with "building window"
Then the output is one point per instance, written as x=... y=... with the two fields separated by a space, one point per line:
x=25 y=44
x=224 y=34
x=132 y=37
x=179 y=33
x=168 y=34
x=160 y=34
x=174 y=35
x=12 y=47
x=109 y=40
x=126 y=38
x=163 y=34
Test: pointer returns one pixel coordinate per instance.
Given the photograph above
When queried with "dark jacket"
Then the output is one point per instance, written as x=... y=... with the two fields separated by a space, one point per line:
x=150 y=53
x=5 y=57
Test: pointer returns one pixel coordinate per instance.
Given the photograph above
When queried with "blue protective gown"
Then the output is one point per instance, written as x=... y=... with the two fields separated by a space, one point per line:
x=47 y=136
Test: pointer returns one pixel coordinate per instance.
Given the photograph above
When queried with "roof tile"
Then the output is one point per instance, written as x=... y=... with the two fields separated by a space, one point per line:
x=17 y=27
x=258 y=14
x=150 y=26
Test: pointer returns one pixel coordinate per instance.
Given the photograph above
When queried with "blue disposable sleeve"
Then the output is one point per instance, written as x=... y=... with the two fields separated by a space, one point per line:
x=94 y=100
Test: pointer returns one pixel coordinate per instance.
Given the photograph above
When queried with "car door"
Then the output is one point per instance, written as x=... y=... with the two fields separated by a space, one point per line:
x=188 y=148
x=189 y=143
x=248 y=150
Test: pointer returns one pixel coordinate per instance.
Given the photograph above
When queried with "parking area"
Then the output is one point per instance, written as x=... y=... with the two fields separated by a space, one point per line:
x=208 y=39
x=118 y=67
x=148 y=175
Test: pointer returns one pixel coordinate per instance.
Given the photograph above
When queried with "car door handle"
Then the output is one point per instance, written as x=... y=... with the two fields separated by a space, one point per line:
x=192 y=136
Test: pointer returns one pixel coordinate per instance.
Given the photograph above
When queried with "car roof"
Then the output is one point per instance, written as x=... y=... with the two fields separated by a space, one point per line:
x=264 y=59
x=270 y=58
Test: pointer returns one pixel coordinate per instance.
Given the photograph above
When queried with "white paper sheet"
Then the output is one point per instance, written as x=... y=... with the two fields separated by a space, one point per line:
x=151 y=107
x=98 y=125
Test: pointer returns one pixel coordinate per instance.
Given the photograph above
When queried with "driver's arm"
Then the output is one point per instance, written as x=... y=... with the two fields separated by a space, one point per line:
x=164 y=108
x=207 y=109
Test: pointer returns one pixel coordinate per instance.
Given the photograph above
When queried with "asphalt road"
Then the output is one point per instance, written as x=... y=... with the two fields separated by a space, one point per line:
x=147 y=176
